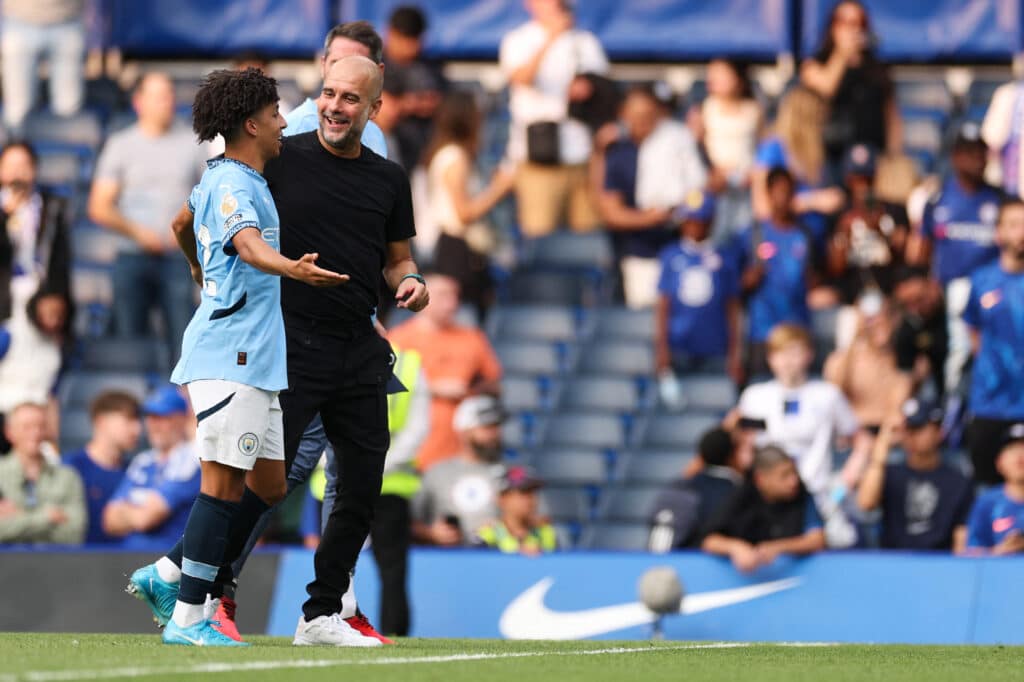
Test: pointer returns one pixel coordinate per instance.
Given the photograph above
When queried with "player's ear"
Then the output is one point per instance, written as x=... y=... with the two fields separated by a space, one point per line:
x=250 y=126
x=375 y=108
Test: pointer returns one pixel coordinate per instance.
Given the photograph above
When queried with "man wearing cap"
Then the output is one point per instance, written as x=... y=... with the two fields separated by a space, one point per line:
x=995 y=315
x=870 y=236
x=996 y=524
x=924 y=503
x=150 y=508
x=697 y=314
x=459 y=495
x=956 y=237
x=518 y=528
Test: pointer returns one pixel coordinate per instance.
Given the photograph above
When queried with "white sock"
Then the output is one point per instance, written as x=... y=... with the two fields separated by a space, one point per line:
x=188 y=614
x=167 y=570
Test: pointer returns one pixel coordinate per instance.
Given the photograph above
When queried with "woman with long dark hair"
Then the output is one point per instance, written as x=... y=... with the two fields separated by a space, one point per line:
x=458 y=202
x=847 y=72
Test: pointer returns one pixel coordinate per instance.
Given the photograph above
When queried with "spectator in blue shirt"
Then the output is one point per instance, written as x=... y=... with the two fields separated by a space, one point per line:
x=151 y=506
x=697 y=314
x=100 y=464
x=995 y=314
x=924 y=503
x=771 y=514
x=776 y=257
x=957 y=237
x=996 y=525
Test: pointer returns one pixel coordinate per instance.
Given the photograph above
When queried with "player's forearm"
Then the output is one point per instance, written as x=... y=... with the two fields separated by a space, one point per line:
x=869 y=492
x=108 y=216
x=257 y=253
x=396 y=270
x=117 y=519
x=181 y=228
x=25 y=526
x=808 y=543
x=719 y=544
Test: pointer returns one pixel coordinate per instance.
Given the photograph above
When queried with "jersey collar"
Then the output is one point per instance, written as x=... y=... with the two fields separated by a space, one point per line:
x=218 y=160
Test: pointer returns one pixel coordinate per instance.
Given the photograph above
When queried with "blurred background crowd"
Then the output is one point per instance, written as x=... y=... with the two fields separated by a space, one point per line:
x=769 y=311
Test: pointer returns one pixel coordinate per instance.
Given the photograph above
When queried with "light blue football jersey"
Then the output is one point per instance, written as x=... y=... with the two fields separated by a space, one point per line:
x=305 y=118
x=237 y=334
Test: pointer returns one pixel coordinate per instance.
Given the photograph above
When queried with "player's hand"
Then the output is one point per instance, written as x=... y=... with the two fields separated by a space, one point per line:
x=1013 y=543
x=306 y=270
x=766 y=554
x=412 y=294
x=150 y=241
x=56 y=516
x=445 y=534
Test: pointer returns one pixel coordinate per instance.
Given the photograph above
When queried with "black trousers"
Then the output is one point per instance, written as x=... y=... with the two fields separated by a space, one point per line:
x=342 y=375
x=391 y=535
x=984 y=441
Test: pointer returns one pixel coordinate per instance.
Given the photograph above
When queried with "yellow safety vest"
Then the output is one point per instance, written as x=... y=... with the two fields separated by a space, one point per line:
x=495 y=534
x=403 y=482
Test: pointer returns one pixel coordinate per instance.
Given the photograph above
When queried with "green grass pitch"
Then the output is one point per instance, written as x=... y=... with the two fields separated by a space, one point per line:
x=33 y=657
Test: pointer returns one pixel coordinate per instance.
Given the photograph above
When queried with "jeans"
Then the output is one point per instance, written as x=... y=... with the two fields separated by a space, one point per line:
x=142 y=280
x=23 y=46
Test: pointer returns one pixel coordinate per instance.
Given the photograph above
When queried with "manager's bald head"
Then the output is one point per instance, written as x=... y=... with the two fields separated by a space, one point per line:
x=350 y=97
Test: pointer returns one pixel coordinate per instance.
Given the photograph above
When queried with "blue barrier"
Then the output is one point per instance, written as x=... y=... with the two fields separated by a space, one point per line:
x=936 y=30
x=282 y=27
x=685 y=30
x=841 y=597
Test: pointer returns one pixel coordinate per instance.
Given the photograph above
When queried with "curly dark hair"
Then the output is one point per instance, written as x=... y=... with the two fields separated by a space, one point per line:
x=226 y=98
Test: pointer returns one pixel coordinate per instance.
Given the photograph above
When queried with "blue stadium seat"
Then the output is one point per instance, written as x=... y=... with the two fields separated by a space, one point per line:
x=711 y=392
x=654 y=466
x=624 y=358
x=629 y=504
x=624 y=324
x=94 y=245
x=554 y=288
x=541 y=323
x=78 y=388
x=91 y=284
x=123 y=355
x=563 y=249
x=526 y=393
x=924 y=94
x=678 y=431
x=621 y=537
x=522 y=431
x=981 y=90
x=566 y=503
x=586 y=430
x=60 y=169
x=524 y=357
x=614 y=394
x=75 y=430
x=571 y=467
x=922 y=133
x=81 y=130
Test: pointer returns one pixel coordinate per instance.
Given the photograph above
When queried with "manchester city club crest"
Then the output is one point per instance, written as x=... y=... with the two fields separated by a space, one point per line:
x=248 y=444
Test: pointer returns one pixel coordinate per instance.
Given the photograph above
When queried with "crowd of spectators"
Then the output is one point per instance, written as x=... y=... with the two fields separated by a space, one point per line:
x=736 y=228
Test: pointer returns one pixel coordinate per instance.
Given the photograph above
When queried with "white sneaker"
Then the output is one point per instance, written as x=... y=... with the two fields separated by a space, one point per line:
x=330 y=631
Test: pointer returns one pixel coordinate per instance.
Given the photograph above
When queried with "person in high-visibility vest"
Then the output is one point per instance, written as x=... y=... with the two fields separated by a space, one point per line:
x=518 y=529
x=391 y=529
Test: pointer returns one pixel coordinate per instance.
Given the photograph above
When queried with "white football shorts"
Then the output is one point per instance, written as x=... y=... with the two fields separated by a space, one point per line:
x=237 y=423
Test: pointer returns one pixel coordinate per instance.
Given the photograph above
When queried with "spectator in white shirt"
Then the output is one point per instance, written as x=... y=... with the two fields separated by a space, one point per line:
x=803 y=416
x=543 y=61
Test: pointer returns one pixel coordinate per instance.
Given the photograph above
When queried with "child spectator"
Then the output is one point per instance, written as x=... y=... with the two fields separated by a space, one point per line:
x=777 y=261
x=115 y=434
x=771 y=514
x=698 y=311
x=924 y=503
x=996 y=524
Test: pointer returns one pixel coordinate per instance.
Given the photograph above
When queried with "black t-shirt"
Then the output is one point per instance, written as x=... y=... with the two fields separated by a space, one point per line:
x=928 y=337
x=689 y=504
x=347 y=210
x=748 y=516
x=920 y=509
x=857 y=110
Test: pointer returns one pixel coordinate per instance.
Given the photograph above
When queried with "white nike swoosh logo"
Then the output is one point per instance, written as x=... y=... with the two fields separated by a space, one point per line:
x=197 y=642
x=528 y=618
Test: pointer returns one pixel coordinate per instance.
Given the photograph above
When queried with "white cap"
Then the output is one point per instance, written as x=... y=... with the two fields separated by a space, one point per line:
x=478 y=410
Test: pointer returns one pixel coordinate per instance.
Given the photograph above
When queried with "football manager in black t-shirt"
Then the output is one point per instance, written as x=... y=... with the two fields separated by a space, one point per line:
x=359 y=220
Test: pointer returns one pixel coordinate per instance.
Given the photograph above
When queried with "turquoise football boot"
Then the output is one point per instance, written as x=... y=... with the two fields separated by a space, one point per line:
x=200 y=634
x=159 y=595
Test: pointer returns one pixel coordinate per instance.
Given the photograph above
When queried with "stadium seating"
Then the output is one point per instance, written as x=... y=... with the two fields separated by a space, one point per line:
x=629 y=537
x=572 y=467
x=628 y=503
x=655 y=467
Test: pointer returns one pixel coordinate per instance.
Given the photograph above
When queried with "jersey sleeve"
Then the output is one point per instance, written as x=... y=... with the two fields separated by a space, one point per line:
x=193 y=199
x=400 y=224
x=373 y=137
x=972 y=311
x=979 y=525
x=231 y=211
x=812 y=519
x=928 y=221
x=770 y=154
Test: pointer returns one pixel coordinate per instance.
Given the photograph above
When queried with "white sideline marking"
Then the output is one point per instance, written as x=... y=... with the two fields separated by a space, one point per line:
x=65 y=675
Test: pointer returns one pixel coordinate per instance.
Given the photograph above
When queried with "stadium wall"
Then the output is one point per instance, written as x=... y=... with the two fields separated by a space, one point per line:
x=839 y=597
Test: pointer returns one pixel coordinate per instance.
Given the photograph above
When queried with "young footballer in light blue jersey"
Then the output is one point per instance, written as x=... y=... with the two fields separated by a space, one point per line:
x=233 y=353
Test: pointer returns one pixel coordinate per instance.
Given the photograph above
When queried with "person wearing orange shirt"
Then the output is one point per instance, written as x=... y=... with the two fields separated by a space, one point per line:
x=458 y=361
